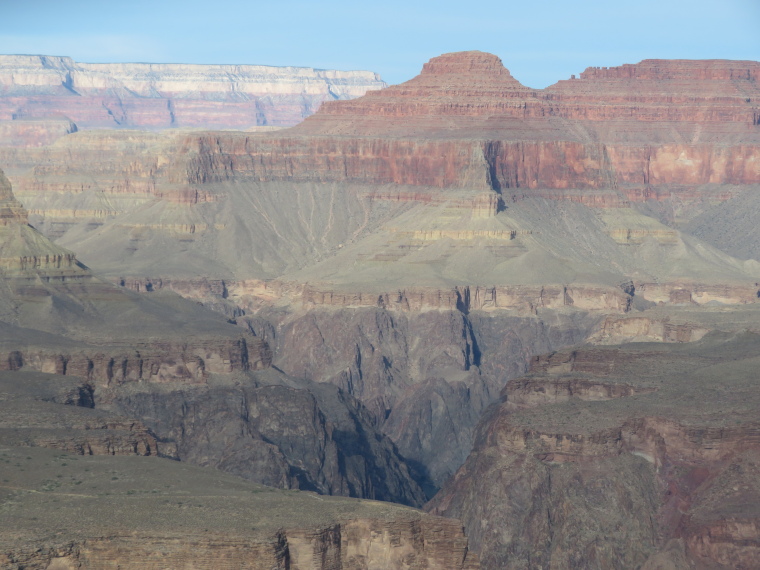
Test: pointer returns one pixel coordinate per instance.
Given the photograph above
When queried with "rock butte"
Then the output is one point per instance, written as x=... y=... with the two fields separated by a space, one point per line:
x=419 y=248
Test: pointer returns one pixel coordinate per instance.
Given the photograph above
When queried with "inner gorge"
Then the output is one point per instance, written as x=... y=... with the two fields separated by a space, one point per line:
x=279 y=317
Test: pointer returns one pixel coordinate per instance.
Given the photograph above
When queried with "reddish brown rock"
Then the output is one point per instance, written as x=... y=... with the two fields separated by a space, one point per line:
x=653 y=129
x=595 y=439
x=34 y=133
x=474 y=96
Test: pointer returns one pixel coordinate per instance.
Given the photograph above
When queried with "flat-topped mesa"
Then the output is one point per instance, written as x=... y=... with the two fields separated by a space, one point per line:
x=471 y=95
x=679 y=70
x=468 y=62
x=156 y=96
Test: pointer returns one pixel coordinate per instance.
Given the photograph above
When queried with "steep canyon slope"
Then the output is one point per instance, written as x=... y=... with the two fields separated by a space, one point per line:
x=205 y=385
x=410 y=252
x=625 y=456
x=458 y=200
x=83 y=358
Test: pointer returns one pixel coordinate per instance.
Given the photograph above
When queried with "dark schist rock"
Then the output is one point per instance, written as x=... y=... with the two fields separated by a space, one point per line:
x=425 y=377
x=276 y=431
x=639 y=455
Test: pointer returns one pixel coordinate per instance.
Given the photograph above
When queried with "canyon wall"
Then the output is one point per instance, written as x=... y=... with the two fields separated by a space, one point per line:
x=502 y=165
x=613 y=457
x=157 y=96
x=406 y=254
x=185 y=368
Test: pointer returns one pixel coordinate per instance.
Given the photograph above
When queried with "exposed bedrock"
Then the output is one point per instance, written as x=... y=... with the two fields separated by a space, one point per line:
x=158 y=362
x=34 y=133
x=618 y=457
x=57 y=317
x=425 y=376
x=155 y=96
x=474 y=91
x=303 y=436
x=154 y=513
x=427 y=542
x=55 y=412
x=176 y=167
x=498 y=164
x=636 y=170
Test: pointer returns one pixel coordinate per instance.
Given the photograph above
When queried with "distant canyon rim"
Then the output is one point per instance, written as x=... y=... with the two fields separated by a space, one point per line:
x=531 y=313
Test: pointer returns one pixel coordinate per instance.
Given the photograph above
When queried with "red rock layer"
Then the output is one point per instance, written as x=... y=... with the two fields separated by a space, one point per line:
x=637 y=132
x=470 y=94
x=636 y=170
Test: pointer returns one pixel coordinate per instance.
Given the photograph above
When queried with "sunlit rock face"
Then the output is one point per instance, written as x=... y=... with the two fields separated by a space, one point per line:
x=411 y=252
x=157 y=96
x=488 y=217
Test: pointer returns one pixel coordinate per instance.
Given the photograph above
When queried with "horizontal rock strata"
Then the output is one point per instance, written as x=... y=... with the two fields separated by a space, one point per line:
x=144 y=95
x=596 y=435
x=150 y=513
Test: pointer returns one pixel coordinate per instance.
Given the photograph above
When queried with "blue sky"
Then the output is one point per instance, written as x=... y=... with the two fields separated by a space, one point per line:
x=540 y=42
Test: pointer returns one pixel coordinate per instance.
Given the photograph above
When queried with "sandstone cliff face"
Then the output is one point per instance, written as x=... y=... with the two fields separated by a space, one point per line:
x=501 y=164
x=159 y=362
x=169 y=95
x=650 y=130
x=608 y=457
